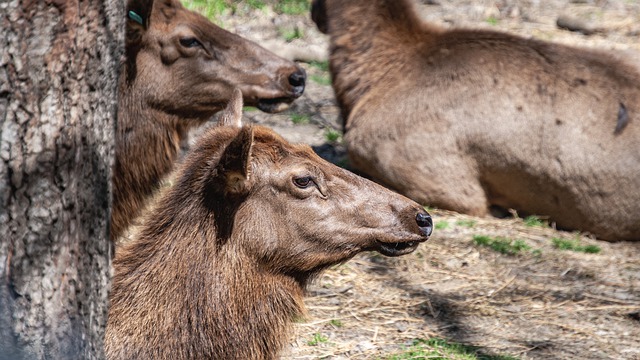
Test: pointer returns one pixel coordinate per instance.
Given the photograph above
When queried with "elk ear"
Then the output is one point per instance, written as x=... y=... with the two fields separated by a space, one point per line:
x=234 y=168
x=319 y=15
x=232 y=114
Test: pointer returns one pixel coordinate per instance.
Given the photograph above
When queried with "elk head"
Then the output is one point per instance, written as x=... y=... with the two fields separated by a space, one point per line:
x=185 y=64
x=283 y=206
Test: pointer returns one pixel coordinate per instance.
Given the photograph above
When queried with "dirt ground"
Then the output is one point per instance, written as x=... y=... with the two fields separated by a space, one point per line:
x=542 y=303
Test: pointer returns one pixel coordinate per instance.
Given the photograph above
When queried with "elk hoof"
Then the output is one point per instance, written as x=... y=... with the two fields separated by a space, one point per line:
x=425 y=223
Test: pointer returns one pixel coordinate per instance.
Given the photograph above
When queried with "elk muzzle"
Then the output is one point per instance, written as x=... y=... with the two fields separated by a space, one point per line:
x=410 y=242
x=295 y=85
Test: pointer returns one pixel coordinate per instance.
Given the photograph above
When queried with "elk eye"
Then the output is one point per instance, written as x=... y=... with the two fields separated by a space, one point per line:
x=303 y=182
x=190 y=42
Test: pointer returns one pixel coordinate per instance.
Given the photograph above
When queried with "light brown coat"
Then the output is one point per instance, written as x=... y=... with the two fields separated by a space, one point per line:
x=470 y=119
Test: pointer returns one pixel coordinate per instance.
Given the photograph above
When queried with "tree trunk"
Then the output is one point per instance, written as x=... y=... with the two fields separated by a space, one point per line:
x=58 y=82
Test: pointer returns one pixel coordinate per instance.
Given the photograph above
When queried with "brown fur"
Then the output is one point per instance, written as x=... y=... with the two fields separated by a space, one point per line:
x=219 y=266
x=465 y=120
x=168 y=86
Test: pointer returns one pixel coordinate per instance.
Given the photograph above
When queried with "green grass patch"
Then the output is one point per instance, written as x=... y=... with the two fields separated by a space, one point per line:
x=574 y=245
x=332 y=135
x=441 y=225
x=300 y=119
x=533 y=221
x=249 y=108
x=536 y=252
x=317 y=339
x=292 y=7
x=322 y=65
x=209 y=8
x=440 y=349
x=323 y=79
x=492 y=21
x=335 y=322
x=501 y=244
x=444 y=224
x=466 y=223
x=291 y=34
x=256 y=4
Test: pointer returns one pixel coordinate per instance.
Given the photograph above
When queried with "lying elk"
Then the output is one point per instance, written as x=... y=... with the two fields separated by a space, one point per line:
x=179 y=70
x=218 y=267
x=470 y=119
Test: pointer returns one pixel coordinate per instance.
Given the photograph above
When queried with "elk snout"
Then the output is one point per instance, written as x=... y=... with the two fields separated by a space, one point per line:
x=297 y=80
x=425 y=223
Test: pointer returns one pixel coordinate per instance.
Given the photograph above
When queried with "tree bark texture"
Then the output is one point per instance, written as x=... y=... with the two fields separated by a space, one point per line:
x=58 y=89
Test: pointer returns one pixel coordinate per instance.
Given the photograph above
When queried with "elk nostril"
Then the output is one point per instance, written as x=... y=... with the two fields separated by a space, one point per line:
x=425 y=223
x=298 y=80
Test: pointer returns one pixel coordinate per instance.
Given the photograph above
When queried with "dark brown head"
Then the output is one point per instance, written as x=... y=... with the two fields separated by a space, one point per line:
x=284 y=207
x=186 y=65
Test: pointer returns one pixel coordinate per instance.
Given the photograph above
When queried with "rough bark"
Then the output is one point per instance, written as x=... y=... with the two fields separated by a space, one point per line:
x=58 y=71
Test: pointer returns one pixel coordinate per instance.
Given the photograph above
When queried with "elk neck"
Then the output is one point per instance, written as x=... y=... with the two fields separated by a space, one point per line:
x=370 y=41
x=148 y=143
x=233 y=305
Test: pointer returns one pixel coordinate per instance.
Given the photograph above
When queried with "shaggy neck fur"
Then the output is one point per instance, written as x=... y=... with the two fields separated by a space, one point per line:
x=147 y=145
x=203 y=295
x=371 y=40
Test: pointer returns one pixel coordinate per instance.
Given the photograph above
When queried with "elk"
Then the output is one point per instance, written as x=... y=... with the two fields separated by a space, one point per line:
x=469 y=120
x=179 y=70
x=218 y=267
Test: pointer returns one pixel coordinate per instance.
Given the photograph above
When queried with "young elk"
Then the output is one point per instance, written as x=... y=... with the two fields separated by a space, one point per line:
x=220 y=263
x=469 y=119
x=179 y=70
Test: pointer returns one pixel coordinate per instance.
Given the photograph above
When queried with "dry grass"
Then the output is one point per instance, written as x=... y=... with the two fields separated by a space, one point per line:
x=543 y=305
